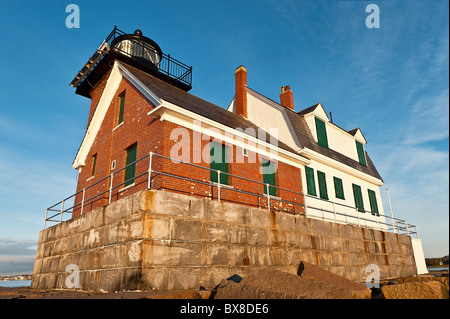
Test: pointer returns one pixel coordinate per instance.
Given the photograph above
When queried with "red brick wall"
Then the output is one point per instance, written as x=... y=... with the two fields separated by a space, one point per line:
x=153 y=135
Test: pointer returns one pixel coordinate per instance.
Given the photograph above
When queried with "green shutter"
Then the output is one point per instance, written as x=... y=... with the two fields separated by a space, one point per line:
x=373 y=203
x=130 y=171
x=338 y=188
x=122 y=108
x=269 y=177
x=322 y=185
x=321 y=133
x=361 y=153
x=310 y=183
x=358 y=197
x=219 y=162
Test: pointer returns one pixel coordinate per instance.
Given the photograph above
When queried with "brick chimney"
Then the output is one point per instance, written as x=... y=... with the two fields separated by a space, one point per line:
x=240 y=100
x=287 y=97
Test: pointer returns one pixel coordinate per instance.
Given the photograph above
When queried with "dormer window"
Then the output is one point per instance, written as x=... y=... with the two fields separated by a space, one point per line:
x=322 y=139
x=361 y=153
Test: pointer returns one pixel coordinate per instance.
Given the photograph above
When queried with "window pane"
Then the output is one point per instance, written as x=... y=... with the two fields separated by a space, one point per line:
x=130 y=171
x=322 y=185
x=310 y=183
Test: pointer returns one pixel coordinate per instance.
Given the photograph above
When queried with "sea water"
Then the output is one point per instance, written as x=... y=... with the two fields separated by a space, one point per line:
x=437 y=268
x=15 y=283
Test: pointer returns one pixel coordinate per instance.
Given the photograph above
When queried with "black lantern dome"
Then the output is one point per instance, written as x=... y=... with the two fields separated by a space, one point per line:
x=137 y=51
x=138 y=47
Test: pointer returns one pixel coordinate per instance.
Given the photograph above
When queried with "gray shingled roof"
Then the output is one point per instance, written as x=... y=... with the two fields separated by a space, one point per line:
x=197 y=105
x=211 y=111
x=307 y=140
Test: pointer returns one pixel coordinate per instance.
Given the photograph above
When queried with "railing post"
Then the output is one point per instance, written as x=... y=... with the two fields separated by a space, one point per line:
x=268 y=196
x=334 y=212
x=304 y=201
x=392 y=214
x=218 y=185
x=110 y=188
x=150 y=170
x=82 y=201
x=62 y=209
x=357 y=215
x=45 y=219
x=407 y=229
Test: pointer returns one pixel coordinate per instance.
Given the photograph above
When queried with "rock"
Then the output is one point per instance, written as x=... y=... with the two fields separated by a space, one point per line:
x=416 y=290
x=267 y=283
x=359 y=291
x=443 y=280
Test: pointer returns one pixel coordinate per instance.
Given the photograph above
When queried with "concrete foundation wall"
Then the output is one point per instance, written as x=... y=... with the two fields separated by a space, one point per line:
x=166 y=241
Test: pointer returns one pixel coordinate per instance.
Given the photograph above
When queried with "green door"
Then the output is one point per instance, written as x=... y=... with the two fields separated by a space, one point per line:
x=219 y=162
x=130 y=170
x=269 y=177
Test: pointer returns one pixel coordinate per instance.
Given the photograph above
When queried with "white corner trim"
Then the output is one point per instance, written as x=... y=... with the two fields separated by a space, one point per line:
x=359 y=136
x=112 y=84
x=118 y=71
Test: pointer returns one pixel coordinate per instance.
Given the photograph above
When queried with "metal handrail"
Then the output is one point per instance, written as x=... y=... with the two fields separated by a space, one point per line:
x=396 y=225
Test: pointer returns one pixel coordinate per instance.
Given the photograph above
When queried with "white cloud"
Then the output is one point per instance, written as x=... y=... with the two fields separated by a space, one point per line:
x=17 y=256
x=429 y=120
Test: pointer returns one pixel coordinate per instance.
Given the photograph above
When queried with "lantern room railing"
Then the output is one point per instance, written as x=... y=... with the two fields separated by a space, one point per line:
x=166 y=65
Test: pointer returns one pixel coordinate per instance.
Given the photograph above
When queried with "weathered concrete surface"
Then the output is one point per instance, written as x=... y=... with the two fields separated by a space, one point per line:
x=166 y=241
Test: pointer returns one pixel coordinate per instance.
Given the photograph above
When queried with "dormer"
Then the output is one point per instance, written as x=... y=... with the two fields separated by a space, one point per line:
x=329 y=135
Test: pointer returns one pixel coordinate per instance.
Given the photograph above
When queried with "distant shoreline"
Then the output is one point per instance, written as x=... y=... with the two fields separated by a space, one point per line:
x=16 y=278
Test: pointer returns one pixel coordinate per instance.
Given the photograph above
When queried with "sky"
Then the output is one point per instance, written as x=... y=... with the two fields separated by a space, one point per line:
x=391 y=81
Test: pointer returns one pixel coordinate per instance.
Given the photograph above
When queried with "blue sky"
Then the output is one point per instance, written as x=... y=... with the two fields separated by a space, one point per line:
x=392 y=82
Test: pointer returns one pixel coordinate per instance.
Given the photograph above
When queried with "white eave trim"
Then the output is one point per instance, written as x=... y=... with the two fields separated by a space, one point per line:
x=178 y=115
x=112 y=84
x=152 y=97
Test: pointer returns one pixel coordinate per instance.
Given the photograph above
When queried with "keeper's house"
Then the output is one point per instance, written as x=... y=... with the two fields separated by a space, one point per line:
x=258 y=152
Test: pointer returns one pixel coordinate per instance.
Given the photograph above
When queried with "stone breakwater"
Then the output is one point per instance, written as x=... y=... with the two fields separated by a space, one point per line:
x=311 y=282
x=157 y=240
